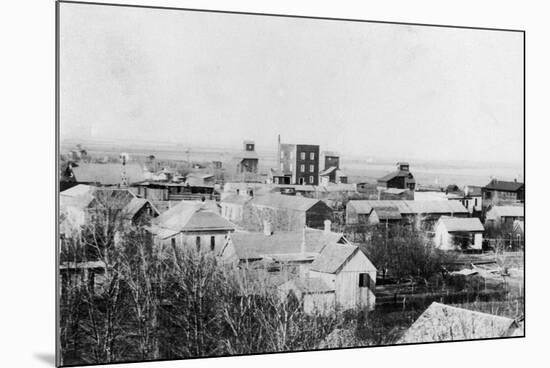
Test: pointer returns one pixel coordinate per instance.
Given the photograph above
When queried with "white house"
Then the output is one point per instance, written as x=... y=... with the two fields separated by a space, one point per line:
x=192 y=225
x=347 y=269
x=455 y=233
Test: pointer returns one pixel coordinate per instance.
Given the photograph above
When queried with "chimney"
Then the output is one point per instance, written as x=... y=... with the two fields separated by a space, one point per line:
x=327 y=226
x=515 y=180
x=267 y=228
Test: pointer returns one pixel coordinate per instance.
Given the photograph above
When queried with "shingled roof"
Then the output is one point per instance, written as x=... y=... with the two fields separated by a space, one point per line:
x=409 y=207
x=297 y=203
x=442 y=322
x=505 y=186
x=333 y=257
x=506 y=211
x=395 y=174
x=458 y=224
x=257 y=245
x=190 y=216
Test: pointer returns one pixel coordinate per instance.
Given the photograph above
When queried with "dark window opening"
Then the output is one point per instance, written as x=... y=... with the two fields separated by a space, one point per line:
x=173 y=242
x=198 y=243
x=212 y=243
x=365 y=280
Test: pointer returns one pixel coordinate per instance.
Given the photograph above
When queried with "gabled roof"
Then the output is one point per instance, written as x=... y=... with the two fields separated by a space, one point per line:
x=505 y=186
x=387 y=213
x=458 y=224
x=506 y=211
x=297 y=203
x=107 y=174
x=333 y=257
x=136 y=204
x=77 y=190
x=442 y=322
x=257 y=245
x=191 y=216
x=395 y=174
x=410 y=207
x=328 y=171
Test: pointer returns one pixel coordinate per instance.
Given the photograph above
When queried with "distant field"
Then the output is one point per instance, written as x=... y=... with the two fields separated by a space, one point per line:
x=358 y=169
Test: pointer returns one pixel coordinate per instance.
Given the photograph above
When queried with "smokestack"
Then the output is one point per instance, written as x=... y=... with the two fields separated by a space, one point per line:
x=327 y=226
x=267 y=228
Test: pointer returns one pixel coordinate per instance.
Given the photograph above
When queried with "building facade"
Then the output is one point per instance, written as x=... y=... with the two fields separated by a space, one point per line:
x=300 y=162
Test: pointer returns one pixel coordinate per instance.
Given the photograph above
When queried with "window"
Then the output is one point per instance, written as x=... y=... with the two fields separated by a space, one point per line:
x=311 y=179
x=198 y=243
x=475 y=202
x=291 y=168
x=212 y=243
x=311 y=168
x=282 y=166
x=302 y=168
x=173 y=242
x=312 y=155
x=365 y=281
x=303 y=155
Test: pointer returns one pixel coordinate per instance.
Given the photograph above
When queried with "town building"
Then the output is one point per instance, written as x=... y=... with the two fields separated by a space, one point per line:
x=232 y=207
x=300 y=162
x=402 y=178
x=285 y=212
x=442 y=322
x=79 y=203
x=504 y=215
x=322 y=269
x=455 y=233
x=192 y=226
x=419 y=213
x=248 y=160
x=331 y=172
x=499 y=192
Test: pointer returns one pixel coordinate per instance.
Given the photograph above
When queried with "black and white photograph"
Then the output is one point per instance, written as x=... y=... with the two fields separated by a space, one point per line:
x=232 y=183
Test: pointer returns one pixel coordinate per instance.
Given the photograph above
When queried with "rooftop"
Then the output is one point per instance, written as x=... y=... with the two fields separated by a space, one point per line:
x=442 y=322
x=395 y=174
x=256 y=245
x=410 y=207
x=190 y=216
x=457 y=224
x=506 y=211
x=297 y=203
x=505 y=186
x=333 y=257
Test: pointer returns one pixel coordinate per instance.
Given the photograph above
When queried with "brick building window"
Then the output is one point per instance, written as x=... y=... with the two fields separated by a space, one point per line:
x=311 y=169
x=303 y=155
x=311 y=179
x=312 y=155
x=302 y=168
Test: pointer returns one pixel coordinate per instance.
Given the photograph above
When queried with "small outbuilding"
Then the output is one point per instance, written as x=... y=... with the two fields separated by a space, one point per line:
x=455 y=233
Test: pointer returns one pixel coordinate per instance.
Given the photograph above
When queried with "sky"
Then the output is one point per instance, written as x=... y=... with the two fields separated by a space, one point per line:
x=363 y=89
